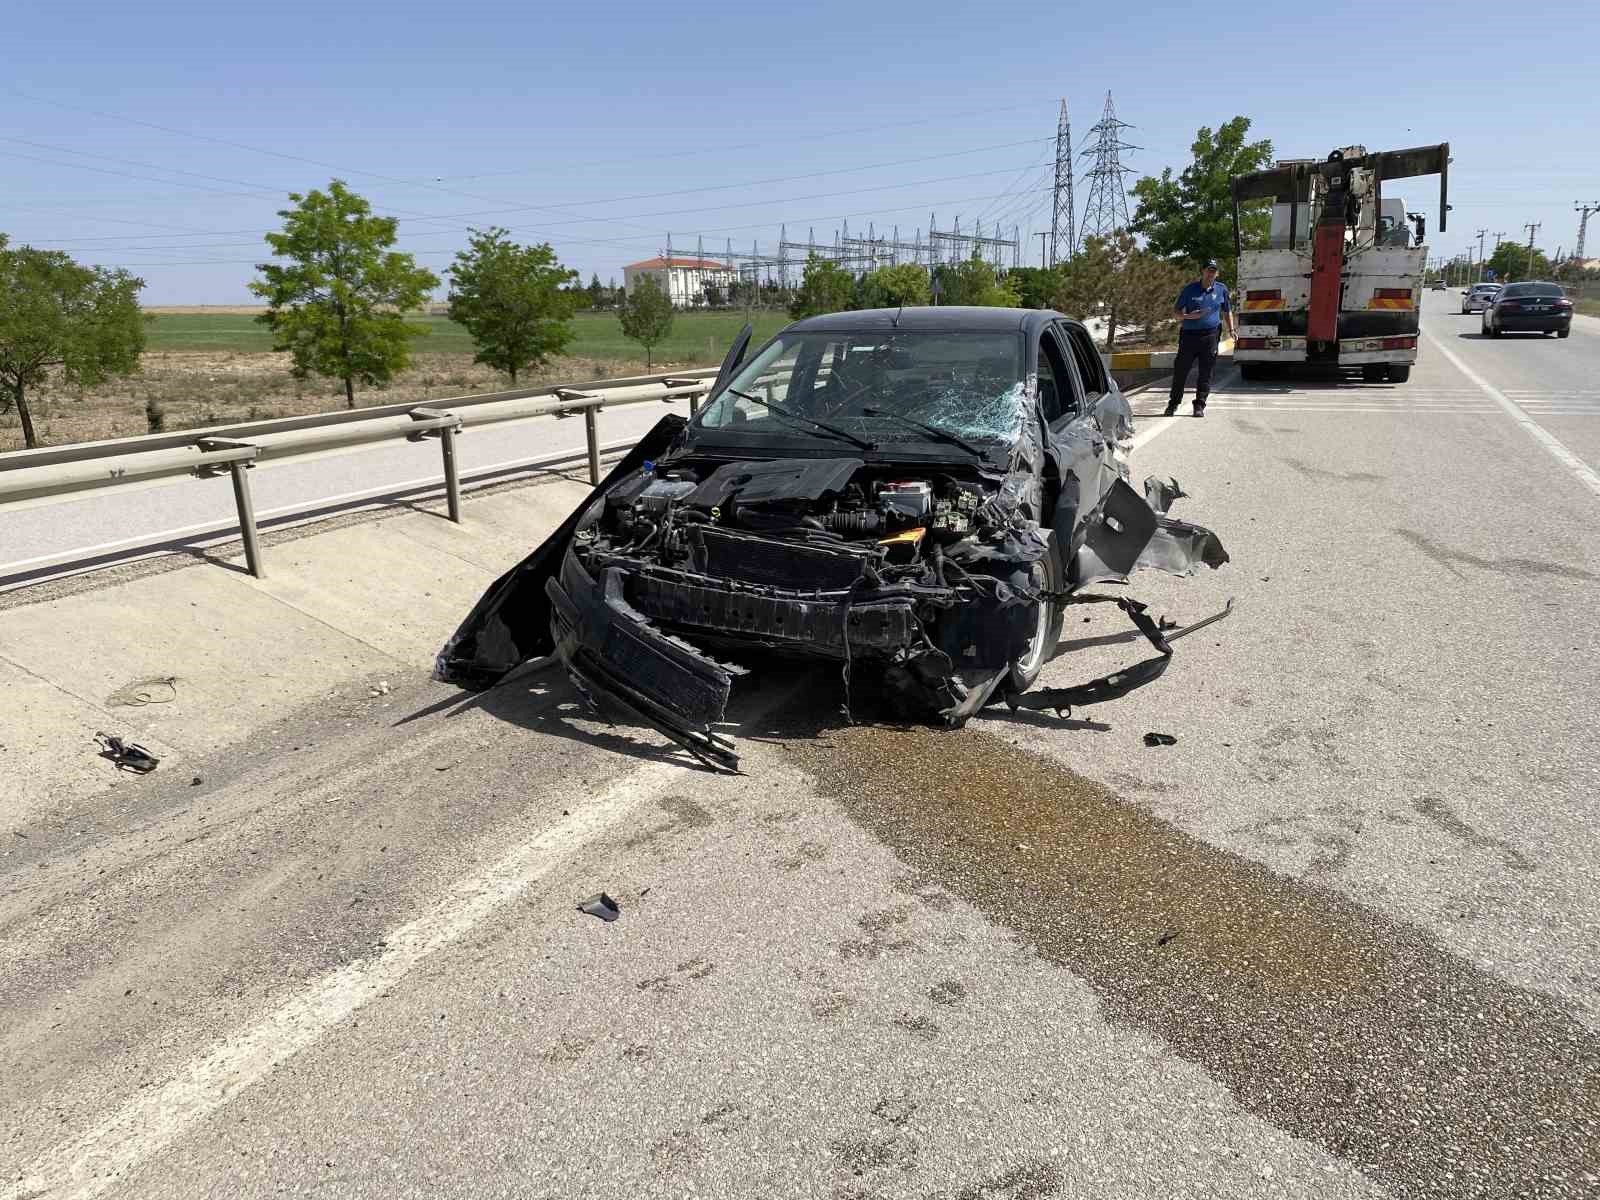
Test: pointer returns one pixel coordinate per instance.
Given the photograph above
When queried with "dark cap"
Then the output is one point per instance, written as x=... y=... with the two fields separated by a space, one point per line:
x=1211 y=265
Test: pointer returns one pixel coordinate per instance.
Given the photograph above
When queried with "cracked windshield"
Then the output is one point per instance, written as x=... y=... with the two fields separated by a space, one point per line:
x=969 y=385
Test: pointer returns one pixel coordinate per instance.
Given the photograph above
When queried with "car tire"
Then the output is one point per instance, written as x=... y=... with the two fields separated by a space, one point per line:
x=1024 y=672
x=1399 y=373
x=1563 y=333
x=1250 y=372
x=1494 y=330
x=1372 y=373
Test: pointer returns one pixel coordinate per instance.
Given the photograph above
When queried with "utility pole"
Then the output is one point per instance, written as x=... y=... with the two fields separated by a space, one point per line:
x=1583 y=227
x=1043 y=245
x=1532 y=227
x=1481 y=233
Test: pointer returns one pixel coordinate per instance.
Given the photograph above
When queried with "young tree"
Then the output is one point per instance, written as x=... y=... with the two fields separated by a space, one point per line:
x=57 y=313
x=338 y=304
x=513 y=301
x=1037 y=286
x=975 y=282
x=888 y=287
x=1510 y=261
x=1113 y=279
x=824 y=288
x=1190 y=217
x=597 y=294
x=646 y=315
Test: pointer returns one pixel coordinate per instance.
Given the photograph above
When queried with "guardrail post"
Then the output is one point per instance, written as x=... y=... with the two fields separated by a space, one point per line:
x=247 y=518
x=444 y=426
x=593 y=435
x=242 y=502
x=452 y=478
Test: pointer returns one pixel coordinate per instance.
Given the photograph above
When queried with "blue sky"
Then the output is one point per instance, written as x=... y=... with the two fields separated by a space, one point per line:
x=163 y=136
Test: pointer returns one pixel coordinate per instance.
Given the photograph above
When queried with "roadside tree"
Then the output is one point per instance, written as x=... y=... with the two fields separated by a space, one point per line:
x=1510 y=262
x=513 y=300
x=975 y=282
x=1189 y=217
x=888 y=287
x=338 y=304
x=1037 y=286
x=597 y=293
x=824 y=288
x=1114 y=280
x=56 y=313
x=646 y=315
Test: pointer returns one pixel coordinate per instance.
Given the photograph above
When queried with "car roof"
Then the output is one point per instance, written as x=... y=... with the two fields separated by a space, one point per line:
x=929 y=319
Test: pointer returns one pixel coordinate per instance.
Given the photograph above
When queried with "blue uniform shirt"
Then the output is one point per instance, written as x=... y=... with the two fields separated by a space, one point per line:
x=1212 y=301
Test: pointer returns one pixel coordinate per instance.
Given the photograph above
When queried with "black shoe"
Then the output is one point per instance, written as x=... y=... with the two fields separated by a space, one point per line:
x=1172 y=410
x=1199 y=410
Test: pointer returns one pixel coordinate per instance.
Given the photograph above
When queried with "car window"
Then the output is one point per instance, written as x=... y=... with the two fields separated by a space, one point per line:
x=1064 y=374
x=1532 y=289
x=1051 y=381
x=1090 y=369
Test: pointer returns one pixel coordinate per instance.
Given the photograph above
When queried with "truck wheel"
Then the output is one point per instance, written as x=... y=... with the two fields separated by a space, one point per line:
x=1399 y=373
x=1024 y=671
x=1372 y=373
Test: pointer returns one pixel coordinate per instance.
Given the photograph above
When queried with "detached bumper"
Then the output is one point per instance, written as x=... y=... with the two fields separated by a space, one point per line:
x=612 y=653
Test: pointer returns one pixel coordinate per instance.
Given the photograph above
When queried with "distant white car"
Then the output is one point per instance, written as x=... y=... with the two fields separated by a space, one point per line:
x=1478 y=297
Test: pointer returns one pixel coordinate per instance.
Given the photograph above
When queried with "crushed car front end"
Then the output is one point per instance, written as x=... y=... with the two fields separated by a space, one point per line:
x=933 y=569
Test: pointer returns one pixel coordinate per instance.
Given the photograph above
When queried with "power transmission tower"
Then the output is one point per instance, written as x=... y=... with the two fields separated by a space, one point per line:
x=1106 y=210
x=1532 y=227
x=1063 y=218
x=1583 y=227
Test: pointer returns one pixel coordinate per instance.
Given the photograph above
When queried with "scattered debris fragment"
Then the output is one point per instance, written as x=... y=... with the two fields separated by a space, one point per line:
x=158 y=689
x=196 y=781
x=1159 y=739
x=975 y=490
x=1169 y=936
x=128 y=756
x=602 y=906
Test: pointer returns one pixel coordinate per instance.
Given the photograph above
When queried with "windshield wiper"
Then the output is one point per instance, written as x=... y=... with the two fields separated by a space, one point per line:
x=784 y=411
x=933 y=431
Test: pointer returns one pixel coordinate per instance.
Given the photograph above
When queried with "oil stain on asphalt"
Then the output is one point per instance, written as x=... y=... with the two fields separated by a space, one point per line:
x=1327 y=1019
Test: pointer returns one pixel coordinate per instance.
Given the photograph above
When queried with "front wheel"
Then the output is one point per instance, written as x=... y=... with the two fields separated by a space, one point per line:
x=1563 y=333
x=1494 y=330
x=1024 y=671
x=1399 y=373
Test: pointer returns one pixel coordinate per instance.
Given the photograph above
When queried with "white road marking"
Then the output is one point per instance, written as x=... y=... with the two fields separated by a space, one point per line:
x=95 y=1160
x=1582 y=471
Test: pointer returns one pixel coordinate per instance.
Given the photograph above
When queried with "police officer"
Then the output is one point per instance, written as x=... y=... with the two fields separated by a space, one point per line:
x=1202 y=306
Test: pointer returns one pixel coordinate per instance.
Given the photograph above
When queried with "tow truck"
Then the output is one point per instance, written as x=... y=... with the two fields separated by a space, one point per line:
x=1340 y=281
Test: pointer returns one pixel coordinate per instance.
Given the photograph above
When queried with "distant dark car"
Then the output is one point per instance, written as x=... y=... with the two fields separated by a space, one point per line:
x=1529 y=308
x=915 y=496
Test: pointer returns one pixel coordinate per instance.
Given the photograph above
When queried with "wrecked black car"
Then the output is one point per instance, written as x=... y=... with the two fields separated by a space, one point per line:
x=914 y=495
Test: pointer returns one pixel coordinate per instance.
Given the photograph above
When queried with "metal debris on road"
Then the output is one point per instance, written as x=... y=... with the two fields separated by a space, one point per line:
x=1159 y=739
x=157 y=689
x=602 y=906
x=128 y=756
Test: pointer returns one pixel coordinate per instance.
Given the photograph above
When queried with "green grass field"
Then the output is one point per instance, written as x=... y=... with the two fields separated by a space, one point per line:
x=695 y=337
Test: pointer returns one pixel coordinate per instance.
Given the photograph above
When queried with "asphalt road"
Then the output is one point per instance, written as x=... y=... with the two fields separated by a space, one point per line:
x=95 y=523
x=1339 y=941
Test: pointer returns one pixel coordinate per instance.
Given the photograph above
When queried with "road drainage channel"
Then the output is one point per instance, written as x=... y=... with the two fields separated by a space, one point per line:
x=1323 y=1017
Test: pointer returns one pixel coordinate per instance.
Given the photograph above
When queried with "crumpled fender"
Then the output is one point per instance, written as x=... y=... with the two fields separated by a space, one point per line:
x=510 y=624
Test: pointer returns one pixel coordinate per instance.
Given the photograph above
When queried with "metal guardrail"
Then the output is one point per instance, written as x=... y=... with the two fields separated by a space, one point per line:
x=236 y=449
